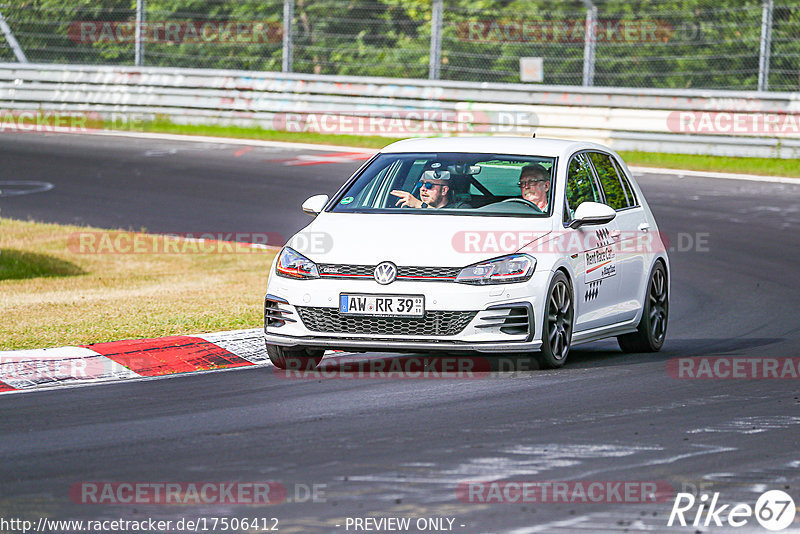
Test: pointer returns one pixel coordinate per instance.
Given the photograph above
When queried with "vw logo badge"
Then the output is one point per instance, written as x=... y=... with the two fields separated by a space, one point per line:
x=385 y=273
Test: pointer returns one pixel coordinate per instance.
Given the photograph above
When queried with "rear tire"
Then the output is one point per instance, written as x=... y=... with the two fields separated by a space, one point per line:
x=652 y=329
x=294 y=359
x=559 y=317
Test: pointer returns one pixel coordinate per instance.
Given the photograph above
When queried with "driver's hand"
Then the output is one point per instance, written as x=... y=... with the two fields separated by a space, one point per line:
x=406 y=199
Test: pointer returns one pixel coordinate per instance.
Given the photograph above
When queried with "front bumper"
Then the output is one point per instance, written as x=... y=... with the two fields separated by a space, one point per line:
x=488 y=331
x=391 y=345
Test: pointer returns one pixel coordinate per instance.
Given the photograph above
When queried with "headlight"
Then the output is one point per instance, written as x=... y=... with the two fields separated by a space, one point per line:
x=505 y=270
x=292 y=264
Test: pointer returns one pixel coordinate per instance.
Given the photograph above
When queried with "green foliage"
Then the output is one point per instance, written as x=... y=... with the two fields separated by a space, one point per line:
x=639 y=43
x=580 y=184
x=368 y=37
x=610 y=179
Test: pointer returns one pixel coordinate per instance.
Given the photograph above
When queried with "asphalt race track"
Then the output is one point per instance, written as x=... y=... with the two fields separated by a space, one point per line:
x=400 y=448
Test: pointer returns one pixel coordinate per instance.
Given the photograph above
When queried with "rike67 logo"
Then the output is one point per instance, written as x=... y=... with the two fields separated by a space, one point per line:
x=774 y=510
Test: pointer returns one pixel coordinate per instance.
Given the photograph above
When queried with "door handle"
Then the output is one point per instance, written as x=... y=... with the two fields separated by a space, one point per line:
x=644 y=227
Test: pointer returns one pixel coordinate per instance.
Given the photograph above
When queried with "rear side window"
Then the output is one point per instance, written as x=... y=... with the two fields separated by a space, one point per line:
x=626 y=186
x=617 y=191
x=581 y=186
x=609 y=179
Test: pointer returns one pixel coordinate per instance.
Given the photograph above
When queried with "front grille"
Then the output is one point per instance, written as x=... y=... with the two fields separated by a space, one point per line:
x=343 y=271
x=403 y=273
x=428 y=272
x=435 y=323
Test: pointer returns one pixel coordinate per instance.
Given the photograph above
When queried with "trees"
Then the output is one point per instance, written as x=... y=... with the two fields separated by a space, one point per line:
x=638 y=43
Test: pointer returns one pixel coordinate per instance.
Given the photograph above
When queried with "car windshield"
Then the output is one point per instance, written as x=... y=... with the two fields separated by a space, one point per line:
x=452 y=183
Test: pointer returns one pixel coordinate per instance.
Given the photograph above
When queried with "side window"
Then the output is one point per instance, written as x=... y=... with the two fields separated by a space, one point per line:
x=609 y=179
x=626 y=186
x=377 y=194
x=581 y=186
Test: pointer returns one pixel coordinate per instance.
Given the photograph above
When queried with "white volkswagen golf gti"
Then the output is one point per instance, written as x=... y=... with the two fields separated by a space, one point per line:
x=465 y=245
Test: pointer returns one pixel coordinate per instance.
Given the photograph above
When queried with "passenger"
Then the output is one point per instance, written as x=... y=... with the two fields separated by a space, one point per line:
x=534 y=183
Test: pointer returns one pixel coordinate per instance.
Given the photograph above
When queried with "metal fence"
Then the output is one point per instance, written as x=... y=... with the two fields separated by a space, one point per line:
x=713 y=44
x=725 y=123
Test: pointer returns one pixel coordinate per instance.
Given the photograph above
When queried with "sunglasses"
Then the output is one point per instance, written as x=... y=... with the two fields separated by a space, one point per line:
x=430 y=185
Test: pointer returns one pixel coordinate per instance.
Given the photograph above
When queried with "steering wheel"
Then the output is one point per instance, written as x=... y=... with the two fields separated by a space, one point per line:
x=523 y=201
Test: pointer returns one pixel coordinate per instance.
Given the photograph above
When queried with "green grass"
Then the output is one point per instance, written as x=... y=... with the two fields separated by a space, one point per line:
x=762 y=166
x=20 y=265
x=120 y=293
x=243 y=132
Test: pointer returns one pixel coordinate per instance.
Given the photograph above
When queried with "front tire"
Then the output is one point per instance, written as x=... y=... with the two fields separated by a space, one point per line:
x=557 y=324
x=652 y=329
x=294 y=359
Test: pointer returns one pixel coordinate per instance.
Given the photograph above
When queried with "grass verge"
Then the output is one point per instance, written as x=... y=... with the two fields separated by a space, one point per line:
x=61 y=294
x=762 y=166
x=243 y=132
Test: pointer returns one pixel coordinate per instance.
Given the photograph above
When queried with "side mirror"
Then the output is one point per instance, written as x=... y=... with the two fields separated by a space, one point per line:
x=314 y=205
x=592 y=213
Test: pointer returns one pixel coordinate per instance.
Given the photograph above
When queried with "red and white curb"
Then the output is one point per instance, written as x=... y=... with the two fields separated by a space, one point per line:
x=25 y=370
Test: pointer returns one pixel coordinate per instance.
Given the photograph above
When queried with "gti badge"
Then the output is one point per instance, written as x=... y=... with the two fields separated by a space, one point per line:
x=385 y=273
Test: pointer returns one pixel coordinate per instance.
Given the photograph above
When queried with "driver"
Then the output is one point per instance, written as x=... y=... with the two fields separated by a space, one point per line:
x=534 y=183
x=434 y=193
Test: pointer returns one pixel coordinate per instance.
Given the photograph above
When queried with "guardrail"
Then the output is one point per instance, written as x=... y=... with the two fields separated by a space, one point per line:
x=678 y=121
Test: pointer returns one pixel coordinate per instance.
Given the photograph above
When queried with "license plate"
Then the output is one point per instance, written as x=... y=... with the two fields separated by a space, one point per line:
x=382 y=305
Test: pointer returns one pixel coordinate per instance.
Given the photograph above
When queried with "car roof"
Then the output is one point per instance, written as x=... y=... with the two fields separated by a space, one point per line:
x=493 y=145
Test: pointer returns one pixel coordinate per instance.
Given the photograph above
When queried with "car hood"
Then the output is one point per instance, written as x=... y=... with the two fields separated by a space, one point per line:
x=415 y=239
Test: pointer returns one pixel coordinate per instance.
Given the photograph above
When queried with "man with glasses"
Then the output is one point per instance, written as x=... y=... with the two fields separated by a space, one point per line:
x=534 y=183
x=434 y=192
